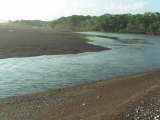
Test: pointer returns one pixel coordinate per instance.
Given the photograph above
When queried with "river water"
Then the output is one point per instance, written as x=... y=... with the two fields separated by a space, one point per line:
x=36 y=74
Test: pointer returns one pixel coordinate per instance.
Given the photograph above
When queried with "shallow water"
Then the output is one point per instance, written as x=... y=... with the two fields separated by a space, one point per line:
x=36 y=74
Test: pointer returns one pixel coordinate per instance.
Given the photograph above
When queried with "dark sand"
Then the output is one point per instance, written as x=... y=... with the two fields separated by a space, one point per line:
x=101 y=100
x=25 y=43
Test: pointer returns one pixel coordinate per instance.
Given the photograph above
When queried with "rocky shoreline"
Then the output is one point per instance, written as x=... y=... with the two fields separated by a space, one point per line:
x=125 y=98
x=145 y=108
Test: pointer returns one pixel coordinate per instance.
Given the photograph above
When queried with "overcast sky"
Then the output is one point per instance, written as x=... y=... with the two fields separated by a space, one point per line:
x=53 y=9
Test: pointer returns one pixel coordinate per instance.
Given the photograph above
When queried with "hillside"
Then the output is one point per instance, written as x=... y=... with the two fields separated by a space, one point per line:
x=147 y=23
x=36 y=23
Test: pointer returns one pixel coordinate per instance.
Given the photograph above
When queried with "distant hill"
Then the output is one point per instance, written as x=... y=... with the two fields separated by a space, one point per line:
x=37 y=23
x=72 y=23
x=147 y=23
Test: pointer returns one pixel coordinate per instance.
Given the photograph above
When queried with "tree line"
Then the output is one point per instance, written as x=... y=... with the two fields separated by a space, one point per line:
x=37 y=23
x=147 y=23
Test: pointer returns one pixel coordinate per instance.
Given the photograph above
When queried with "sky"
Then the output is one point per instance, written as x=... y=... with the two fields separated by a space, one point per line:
x=53 y=9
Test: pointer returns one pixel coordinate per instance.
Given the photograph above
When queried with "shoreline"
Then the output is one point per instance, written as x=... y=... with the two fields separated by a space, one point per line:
x=29 y=43
x=97 y=100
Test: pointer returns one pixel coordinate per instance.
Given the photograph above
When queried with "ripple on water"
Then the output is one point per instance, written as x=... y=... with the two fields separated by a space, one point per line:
x=36 y=74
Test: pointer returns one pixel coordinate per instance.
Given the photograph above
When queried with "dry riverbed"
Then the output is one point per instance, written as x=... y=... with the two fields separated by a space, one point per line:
x=25 y=43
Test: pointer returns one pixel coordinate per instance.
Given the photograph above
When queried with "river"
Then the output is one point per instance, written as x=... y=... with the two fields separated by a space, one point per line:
x=36 y=74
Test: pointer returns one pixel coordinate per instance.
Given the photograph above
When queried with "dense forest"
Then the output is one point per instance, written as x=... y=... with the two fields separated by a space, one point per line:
x=147 y=23
x=37 y=23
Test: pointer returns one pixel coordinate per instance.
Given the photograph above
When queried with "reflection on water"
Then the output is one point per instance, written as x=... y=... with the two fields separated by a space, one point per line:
x=35 y=74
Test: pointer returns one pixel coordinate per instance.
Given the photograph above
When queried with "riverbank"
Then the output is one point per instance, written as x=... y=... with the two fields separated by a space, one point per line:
x=101 y=100
x=145 y=108
x=27 y=42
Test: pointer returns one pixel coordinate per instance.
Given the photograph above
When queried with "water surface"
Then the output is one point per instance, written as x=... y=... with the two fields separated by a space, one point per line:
x=36 y=74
